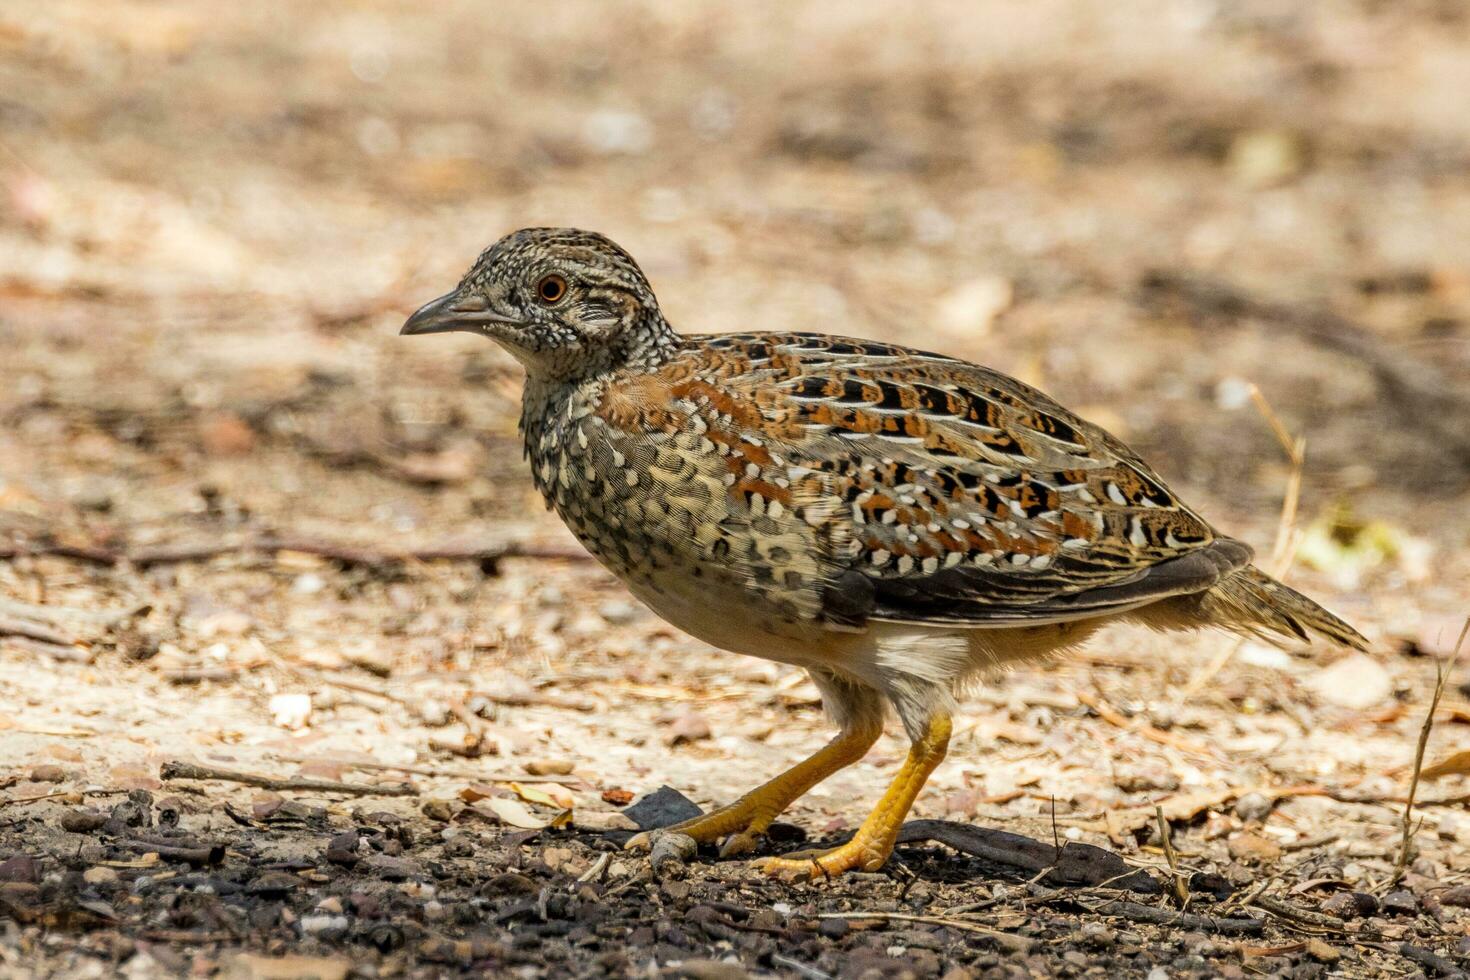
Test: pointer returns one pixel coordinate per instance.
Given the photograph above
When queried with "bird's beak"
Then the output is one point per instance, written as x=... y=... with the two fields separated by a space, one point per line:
x=453 y=311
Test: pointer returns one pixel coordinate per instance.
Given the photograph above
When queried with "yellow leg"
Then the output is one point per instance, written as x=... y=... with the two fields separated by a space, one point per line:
x=747 y=818
x=873 y=842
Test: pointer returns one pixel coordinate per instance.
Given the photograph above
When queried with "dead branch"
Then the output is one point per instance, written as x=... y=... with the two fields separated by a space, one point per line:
x=175 y=769
x=486 y=554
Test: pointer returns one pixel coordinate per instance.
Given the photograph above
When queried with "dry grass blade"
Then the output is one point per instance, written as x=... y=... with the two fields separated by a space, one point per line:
x=1442 y=670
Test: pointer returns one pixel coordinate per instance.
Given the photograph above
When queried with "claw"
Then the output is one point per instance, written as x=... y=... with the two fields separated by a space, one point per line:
x=741 y=843
x=639 y=842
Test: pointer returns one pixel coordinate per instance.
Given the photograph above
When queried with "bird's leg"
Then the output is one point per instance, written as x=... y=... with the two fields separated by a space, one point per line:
x=873 y=842
x=745 y=820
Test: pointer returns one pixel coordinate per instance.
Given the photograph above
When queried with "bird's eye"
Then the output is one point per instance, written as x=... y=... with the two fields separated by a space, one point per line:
x=551 y=289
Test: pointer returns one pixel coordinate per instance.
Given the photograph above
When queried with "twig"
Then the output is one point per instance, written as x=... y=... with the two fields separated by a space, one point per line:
x=1008 y=938
x=69 y=654
x=10 y=626
x=486 y=554
x=198 y=855
x=1181 y=890
x=595 y=872
x=1441 y=673
x=1302 y=916
x=1138 y=912
x=175 y=769
x=437 y=773
x=810 y=972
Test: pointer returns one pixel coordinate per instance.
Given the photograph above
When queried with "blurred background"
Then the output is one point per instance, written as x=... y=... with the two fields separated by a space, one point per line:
x=215 y=216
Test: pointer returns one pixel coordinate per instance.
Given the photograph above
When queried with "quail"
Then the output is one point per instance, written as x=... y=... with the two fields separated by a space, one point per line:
x=893 y=521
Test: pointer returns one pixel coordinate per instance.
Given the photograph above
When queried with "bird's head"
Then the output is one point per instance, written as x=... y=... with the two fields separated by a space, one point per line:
x=566 y=303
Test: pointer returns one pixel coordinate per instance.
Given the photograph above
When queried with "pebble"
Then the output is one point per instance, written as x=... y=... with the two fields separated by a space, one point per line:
x=1351 y=905
x=1322 y=951
x=22 y=868
x=834 y=928
x=550 y=767
x=1356 y=682
x=80 y=821
x=1098 y=934
x=1253 y=806
x=618 y=612
x=1458 y=896
x=100 y=876
x=1251 y=847
x=326 y=926
x=48 y=774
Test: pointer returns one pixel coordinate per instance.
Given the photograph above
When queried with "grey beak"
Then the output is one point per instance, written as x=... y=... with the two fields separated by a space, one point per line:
x=452 y=312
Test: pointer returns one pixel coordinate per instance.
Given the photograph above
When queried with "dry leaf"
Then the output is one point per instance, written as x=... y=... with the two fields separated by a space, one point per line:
x=512 y=813
x=1456 y=765
x=547 y=794
x=475 y=792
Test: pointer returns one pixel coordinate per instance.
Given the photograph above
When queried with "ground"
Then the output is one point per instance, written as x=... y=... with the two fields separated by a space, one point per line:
x=245 y=527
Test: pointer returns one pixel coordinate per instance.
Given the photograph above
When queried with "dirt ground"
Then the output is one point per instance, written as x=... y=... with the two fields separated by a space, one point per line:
x=244 y=528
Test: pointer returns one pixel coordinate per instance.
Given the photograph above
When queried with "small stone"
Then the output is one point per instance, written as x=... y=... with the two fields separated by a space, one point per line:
x=393 y=868
x=1351 y=905
x=81 y=821
x=1323 y=952
x=550 y=767
x=834 y=928
x=440 y=810
x=1355 y=682
x=691 y=727
x=556 y=858
x=275 y=883
x=1247 y=846
x=22 y=868
x=342 y=849
x=1457 y=896
x=100 y=876
x=1253 y=806
x=1266 y=157
x=1400 y=903
x=291 y=711
x=326 y=926
x=663 y=807
x=1098 y=934
x=701 y=969
x=48 y=774
x=618 y=612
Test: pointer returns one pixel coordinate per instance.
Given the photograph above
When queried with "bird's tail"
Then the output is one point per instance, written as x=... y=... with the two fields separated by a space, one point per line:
x=1250 y=601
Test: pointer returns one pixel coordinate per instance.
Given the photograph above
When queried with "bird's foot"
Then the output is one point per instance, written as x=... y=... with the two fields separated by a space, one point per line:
x=862 y=853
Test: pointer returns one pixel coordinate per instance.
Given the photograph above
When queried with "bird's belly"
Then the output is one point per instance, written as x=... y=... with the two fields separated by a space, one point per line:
x=730 y=618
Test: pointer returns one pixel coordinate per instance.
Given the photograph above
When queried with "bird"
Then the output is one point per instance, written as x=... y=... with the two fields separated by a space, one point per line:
x=898 y=523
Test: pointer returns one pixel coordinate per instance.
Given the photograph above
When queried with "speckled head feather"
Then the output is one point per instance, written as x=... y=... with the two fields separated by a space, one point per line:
x=566 y=303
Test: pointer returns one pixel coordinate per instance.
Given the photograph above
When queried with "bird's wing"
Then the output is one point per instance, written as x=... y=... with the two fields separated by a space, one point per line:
x=948 y=493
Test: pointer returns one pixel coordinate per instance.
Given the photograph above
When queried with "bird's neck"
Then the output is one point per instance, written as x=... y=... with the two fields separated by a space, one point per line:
x=648 y=342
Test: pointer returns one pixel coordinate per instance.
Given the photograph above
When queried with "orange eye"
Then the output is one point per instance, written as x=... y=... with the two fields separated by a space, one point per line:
x=551 y=289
